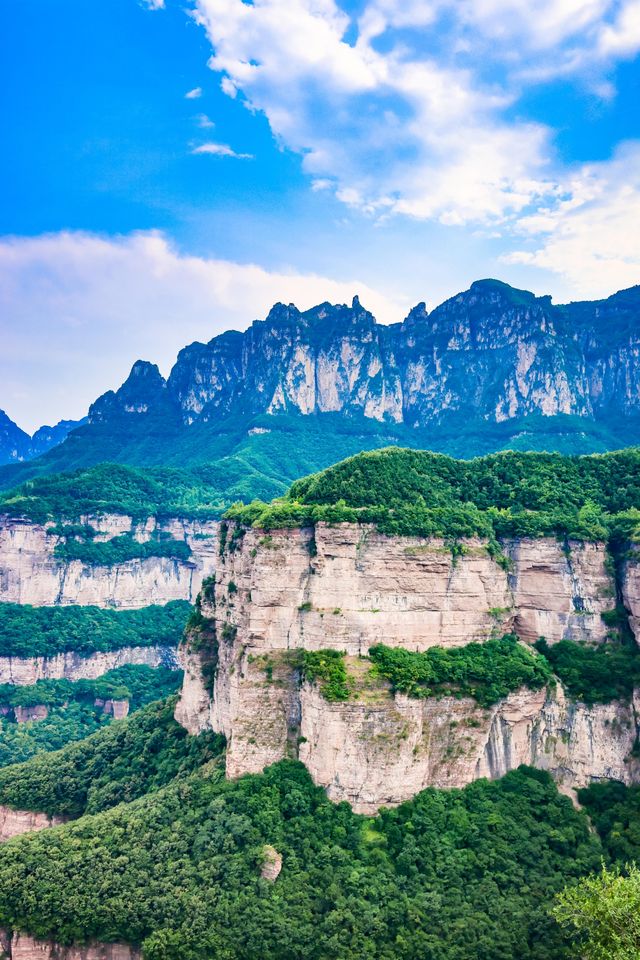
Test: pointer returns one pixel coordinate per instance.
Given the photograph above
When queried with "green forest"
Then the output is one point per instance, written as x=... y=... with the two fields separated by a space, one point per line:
x=418 y=493
x=27 y=631
x=124 y=761
x=451 y=875
x=72 y=711
x=516 y=482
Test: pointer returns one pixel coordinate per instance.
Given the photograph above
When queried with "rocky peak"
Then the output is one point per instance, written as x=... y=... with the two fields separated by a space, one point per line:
x=141 y=392
x=507 y=352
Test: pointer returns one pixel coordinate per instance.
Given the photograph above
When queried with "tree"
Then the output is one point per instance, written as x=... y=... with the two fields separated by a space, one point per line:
x=602 y=913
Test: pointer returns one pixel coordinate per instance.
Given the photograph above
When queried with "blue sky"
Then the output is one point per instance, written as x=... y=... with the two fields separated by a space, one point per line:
x=172 y=168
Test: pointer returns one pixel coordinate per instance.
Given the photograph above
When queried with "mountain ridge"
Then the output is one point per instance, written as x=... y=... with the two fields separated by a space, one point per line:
x=492 y=367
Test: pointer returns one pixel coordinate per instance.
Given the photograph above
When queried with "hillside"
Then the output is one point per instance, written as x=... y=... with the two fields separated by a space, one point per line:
x=416 y=492
x=492 y=368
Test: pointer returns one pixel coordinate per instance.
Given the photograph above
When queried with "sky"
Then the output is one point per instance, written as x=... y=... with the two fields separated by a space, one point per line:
x=171 y=168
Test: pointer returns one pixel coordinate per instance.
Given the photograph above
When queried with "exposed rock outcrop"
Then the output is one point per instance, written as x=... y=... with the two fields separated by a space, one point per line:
x=25 y=671
x=15 y=822
x=31 y=573
x=494 y=349
x=21 y=946
x=349 y=587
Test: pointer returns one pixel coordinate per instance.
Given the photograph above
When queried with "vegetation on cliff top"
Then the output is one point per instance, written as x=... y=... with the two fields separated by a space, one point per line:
x=417 y=493
x=451 y=875
x=27 y=631
x=134 y=682
x=126 y=760
x=403 y=490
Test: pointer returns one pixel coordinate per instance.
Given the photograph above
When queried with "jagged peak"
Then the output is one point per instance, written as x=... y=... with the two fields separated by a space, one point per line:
x=144 y=369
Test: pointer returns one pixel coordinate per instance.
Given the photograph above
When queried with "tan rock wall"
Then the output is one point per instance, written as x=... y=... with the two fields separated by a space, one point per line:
x=25 y=671
x=15 y=822
x=30 y=573
x=350 y=587
x=21 y=946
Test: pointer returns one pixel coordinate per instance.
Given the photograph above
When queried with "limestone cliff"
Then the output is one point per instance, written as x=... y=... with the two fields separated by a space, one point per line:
x=502 y=352
x=349 y=587
x=21 y=946
x=15 y=822
x=31 y=573
x=28 y=670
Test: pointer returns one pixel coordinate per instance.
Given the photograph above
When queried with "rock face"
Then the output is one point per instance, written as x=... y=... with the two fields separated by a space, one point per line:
x=15 y=822
x=25 y=671
x=20 y=946
x=494 y=349
x=30 y=573
x=349 y=587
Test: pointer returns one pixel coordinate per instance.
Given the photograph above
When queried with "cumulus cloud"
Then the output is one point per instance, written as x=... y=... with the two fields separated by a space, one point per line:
x=590 y=235
x=423 y=122
x=94 y=305
x=221 y=150
x=394 y=131
x=194 y=94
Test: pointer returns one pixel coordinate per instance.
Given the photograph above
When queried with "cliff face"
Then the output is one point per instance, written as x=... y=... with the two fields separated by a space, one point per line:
x=350 y=587
x=500 y=351
x=30 y=572
x=20 y=946
x=25 y=671
x=15 y=822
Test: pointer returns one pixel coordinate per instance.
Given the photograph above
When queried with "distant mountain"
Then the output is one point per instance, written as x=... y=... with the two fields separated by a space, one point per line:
x=17 y=446
x=492 y=367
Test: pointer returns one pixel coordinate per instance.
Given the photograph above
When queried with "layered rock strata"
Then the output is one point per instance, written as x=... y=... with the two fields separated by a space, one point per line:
x=15 y=822
x=21 y=946
x=349 y=587
x=31 y=573
x=25 y=671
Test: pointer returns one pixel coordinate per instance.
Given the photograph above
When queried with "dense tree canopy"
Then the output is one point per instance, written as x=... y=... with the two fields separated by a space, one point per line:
x=414 y=492
x=452 y=875
x=27 y=631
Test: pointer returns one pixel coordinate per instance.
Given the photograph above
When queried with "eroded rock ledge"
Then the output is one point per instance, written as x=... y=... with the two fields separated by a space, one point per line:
x=20 y=946
x=349 y=587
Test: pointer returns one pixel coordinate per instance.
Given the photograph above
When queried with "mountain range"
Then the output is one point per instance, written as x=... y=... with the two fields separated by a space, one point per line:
x=493 y=367
x=16 y=445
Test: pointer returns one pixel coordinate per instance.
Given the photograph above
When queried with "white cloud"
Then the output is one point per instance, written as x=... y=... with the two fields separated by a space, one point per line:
x=221 y=150
x=194 y=94
x=204 y=122
x=622 y=37
x=154 y=4
x=406 y=121
x=394 y=131
x=590 y=235
x=94 y=305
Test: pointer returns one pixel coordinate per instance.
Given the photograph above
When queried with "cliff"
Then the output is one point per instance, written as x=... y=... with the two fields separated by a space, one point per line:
x=501 y=351
x=349 y=587
x=491 y=368
x=25 y=671
x=21 y=946
x=15 y=822
x=31 y=573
